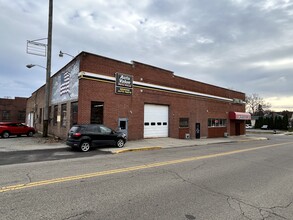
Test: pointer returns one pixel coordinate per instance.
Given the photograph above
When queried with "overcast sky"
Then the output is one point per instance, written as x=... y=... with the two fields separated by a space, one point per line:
x=244 y=45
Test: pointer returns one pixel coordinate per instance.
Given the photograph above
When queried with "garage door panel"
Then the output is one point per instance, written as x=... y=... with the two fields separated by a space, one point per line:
x=156 y=121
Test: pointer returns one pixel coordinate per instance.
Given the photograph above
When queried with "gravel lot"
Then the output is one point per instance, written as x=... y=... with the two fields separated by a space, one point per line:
x=15 y=143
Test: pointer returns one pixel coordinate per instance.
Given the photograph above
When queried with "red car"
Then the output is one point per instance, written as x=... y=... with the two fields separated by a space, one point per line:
x=11 y=128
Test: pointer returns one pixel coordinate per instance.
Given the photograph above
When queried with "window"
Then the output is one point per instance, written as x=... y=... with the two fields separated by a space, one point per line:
x=183 y=122
x=40 y=116
x=216 y=122
x=63 y=115
x=49 y=114
x=93 y=129
x=74 y=111
x=105 y=130
x=55 y=114
x=97 y=112
x=6 y=115
x=21 y=116
x=122 y=125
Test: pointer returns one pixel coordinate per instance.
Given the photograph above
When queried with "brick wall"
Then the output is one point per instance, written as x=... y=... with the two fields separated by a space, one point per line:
x=34 y=104
x=149 y=74
x=16 y=108
x=197 y=109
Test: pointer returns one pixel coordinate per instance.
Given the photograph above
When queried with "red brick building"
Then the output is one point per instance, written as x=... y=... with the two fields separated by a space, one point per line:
x=143 y=100
x=12 y=110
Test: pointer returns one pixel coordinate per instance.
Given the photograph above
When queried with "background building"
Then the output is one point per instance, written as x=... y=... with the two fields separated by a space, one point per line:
x=143 y=100
x=12 y=110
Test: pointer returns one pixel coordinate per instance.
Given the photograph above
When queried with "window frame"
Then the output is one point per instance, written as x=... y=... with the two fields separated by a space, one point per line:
x=63 y=115
x=6 y=116
x=183 y=122
x=55 y=115
x=217 y=122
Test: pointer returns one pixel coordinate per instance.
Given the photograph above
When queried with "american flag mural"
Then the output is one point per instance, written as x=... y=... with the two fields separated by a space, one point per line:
x=64 y=87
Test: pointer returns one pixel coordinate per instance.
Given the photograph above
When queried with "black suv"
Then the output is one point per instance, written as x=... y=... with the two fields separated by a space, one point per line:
x=86 y=136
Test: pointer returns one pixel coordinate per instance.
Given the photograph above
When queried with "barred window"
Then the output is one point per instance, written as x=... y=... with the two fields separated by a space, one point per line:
x=183 y=122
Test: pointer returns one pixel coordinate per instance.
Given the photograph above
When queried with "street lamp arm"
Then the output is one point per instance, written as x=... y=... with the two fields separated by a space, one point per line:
x=32 y=65
x=62 y=53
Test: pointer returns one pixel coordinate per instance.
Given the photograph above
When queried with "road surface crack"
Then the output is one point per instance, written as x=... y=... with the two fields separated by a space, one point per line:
x=81 y=215
x=29 y=178
x=247 y=210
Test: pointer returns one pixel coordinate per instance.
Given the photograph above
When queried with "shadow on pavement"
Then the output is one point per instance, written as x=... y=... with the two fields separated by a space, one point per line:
x=17 y=157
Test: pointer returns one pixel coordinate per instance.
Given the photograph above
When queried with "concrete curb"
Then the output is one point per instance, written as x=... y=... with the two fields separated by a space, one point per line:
x=247 y=140
x=137 y=149
x=113 y=151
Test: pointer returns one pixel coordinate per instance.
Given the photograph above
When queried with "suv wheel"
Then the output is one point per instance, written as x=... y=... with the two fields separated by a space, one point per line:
x=120 y=143
x=5 y=134
x=30 y=134
x=85 y=146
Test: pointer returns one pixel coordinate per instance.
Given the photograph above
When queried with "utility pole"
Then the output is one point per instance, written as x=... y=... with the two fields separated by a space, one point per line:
x=48 y=72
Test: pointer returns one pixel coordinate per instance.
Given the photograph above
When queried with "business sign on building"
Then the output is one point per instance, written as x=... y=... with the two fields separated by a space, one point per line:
x=124 y=84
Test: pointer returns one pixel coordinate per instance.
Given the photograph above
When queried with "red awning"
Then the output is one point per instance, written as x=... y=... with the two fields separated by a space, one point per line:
x=239 y=116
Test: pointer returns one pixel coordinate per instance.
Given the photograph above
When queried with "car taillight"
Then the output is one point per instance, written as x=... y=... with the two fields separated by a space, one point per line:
x=76 y=135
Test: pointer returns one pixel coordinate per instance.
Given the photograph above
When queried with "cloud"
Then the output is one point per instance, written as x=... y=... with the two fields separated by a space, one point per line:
x=281 y=103
x=244 y=45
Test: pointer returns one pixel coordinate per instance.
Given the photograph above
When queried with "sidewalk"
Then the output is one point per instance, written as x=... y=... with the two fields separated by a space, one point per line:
x=161 y=143
x=40 y=143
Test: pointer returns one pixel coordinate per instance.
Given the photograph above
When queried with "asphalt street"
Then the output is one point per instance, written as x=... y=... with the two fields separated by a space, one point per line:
x=19 y=157
x=247 y=180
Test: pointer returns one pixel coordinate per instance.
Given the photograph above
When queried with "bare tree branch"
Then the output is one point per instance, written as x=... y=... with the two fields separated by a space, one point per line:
x=254 y=104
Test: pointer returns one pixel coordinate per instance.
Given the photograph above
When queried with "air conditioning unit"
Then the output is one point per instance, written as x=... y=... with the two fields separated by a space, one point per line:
x=187 y=136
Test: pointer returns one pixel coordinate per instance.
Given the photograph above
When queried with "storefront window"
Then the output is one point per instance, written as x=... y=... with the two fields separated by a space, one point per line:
x=217 y=122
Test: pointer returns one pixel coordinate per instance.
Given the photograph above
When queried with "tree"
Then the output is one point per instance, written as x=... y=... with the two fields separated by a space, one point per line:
x=256 y=105
x=285 y=122
x=259 y=122
x=278 y=122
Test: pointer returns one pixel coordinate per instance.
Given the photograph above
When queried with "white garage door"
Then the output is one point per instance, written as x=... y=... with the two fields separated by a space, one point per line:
x=156 y=121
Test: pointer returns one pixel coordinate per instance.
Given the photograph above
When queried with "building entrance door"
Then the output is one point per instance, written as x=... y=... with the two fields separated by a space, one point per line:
x=197 y=130
x=237 y=128
x=123 y=125
x=30 y=119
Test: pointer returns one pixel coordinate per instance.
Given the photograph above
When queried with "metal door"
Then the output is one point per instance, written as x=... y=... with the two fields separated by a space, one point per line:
x=123 y=125
x=197 y=130
x=156 y=119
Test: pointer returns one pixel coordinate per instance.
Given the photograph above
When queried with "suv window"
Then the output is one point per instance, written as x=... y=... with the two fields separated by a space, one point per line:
x=93 y=128
x=74 y=129
x=105 y=130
